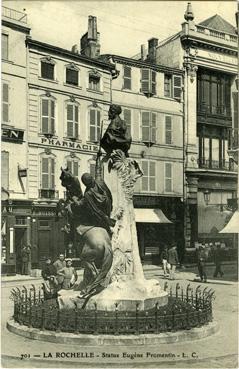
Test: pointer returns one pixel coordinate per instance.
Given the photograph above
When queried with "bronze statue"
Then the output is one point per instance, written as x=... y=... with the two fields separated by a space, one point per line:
x=116 y=135
x=89 y=217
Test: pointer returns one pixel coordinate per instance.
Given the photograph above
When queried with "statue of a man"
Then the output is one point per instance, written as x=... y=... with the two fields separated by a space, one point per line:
x=117 y=135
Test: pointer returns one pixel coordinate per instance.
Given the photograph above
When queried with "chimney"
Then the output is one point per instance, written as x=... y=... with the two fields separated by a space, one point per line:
x=152 y=45
x=143 y=52
x=90 y=41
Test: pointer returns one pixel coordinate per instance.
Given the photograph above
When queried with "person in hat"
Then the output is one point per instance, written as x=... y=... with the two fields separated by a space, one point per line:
x=164 y=258
x=201 y=261
x=69 y=275
x=50 y=282
x=218 y=261
x=60 y=264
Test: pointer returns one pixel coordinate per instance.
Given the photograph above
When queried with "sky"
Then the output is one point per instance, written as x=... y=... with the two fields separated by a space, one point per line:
x=123 y=25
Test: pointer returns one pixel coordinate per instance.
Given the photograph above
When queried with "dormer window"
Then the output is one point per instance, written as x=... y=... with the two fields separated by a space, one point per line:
x=72 y=75
x=48 y=68
x=148 y=82
x=94 y=81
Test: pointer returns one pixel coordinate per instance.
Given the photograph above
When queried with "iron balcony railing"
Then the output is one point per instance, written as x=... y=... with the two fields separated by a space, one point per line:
x=48 y=194
x=214 y=109
x=14 y=14
x=233 y=139
x=217 y=164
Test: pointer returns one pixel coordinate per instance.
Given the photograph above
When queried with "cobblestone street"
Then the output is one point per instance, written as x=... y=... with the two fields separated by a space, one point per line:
x=211 y=352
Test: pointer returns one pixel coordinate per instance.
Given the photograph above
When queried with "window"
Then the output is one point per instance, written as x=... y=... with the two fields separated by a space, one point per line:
x=168 y=130
x=5 y=103
x=127 y=119
x=4 y=46
x=48 y=115
x=148 y=82
x=148 y=127
x=72 y=120
x=72 y=76
x=47 y=69
x=214 y=93
x=168 y=178
x=48 y=173
x=73 y=166
x=127 y=77
x=149 y=177
x=94 y=135
x=94 y=82
x=177 y=87
x=167 y=85
x=5 y=170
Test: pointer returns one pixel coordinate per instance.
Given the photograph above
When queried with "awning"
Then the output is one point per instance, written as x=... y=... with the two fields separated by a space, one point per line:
x=150 y=216
x=233 y=224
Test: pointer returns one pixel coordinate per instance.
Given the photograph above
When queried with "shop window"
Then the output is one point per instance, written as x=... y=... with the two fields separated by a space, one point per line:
x=21 y=220
x=168 y=180
x=44 y=223
x=148 y=127
x=5 y=102
x=5 y=46
x=127 y=119
x=148 y=82
x=72 y=120
x=168 y=130
x=127 y=77
x=94 y=125
x=48 y=116
x=148 y=180
x=72 y=76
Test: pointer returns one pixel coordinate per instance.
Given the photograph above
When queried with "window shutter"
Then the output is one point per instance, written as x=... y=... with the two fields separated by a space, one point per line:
x=5 y=170
x=76 y=133
x=145 y=126
x=52 y=127
x=127 y=119
x=45 y=173
x=153 y=127
x=70 y=120
x=52 y=173
x=152 y=176
x=5 y=102
x=168 y=177
x=145 y=80
x=168 y=130
x=4 y=47
x=75 y=168
x=177 y=87
x=153 y=82
x=98 y=126
x=127 y=77
x=69 y=165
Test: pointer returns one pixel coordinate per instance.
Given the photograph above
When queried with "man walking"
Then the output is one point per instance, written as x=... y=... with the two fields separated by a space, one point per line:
x=218 y=261
x=173 y=261
x=201 y=256
x=60 y=264
x=164 y=257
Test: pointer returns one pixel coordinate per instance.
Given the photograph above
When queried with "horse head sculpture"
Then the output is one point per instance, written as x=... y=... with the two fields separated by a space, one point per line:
x=71 y=183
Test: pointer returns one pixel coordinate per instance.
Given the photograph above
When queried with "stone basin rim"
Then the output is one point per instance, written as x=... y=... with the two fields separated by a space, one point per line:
x=104 y=339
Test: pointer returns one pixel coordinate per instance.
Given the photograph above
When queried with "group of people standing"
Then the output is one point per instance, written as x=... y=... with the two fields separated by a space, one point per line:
x=60 y=274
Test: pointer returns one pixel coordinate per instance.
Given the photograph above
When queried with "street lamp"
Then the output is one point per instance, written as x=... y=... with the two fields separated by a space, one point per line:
x=206 y=194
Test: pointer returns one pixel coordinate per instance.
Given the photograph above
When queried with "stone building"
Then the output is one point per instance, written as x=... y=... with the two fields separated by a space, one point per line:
x=208 y=54
x=15 y=229
x=150 y=97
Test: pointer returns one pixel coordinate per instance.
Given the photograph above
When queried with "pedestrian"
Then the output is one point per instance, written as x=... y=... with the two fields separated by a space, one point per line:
x=25 y=256
x=173 y=260
x=218 y=261
x=69 y=275
x=201 y=260
x=50 y=282
x=164 y=258
x=59 y=264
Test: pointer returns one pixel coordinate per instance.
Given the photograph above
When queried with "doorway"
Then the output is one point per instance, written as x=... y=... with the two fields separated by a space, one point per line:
x=20 y=241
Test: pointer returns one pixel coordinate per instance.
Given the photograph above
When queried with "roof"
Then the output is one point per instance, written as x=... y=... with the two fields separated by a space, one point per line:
x=218 y=23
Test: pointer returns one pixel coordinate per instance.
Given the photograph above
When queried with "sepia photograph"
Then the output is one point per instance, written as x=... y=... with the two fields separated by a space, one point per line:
x=119 y=184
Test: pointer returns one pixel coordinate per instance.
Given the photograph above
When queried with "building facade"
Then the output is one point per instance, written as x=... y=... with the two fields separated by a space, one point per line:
x=150 y=97
x=15 y=216
x=208 y=54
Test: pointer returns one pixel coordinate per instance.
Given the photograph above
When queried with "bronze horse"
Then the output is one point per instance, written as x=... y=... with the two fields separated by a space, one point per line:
x=93 y=243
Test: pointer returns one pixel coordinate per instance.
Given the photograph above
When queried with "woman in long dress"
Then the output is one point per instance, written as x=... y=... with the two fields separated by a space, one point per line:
x=69 y=275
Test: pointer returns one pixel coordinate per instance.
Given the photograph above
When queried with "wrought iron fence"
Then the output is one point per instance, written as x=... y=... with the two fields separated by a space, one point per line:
x=186 y=309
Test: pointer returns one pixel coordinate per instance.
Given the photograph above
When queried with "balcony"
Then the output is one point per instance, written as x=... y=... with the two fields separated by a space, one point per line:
x=48 y=194
x=221 y=110
x=216 y=34
x=217 y=165
x=14 y=14
x=233 y=139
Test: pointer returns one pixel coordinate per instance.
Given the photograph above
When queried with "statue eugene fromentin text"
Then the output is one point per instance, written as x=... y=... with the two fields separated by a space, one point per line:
x=104 y=223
